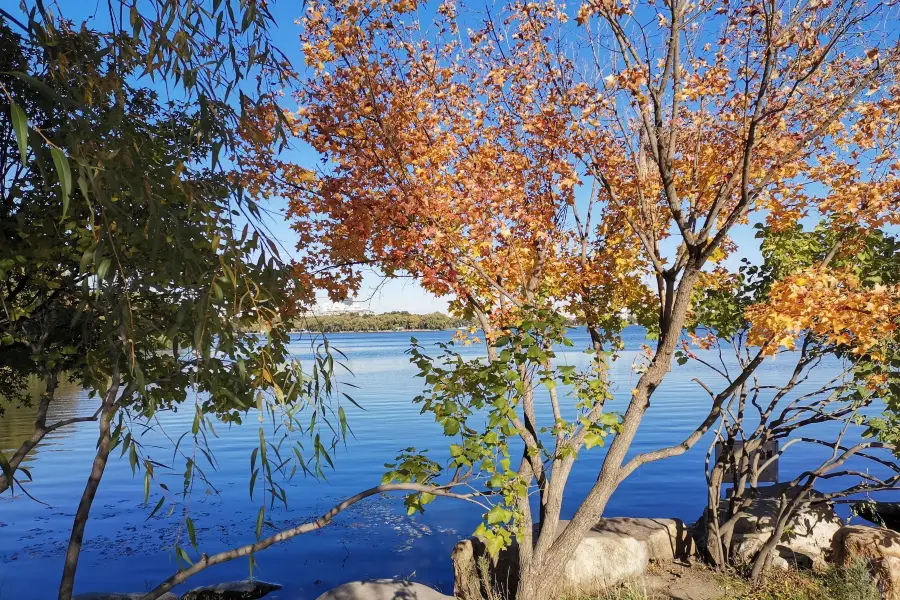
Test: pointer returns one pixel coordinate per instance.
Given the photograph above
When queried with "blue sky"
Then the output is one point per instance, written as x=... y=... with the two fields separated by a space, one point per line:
x=405 y=294
x=378 y=293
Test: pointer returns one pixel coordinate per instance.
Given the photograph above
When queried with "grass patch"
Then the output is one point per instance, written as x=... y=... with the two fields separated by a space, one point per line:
x=851 y=583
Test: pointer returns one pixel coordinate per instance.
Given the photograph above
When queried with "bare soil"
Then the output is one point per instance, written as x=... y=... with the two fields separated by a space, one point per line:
x=681 y=581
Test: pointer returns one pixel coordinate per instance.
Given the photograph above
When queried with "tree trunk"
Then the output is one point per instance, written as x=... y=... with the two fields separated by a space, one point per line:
x=104 y=447
x=715 y=553
x=529 y=587
x=548 y=567
x=788 y=508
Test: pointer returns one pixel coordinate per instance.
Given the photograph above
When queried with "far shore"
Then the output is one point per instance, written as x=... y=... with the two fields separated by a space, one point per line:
x=373 y=330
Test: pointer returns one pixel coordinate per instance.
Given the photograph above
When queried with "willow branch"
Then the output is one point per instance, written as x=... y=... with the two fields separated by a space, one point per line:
x=207 y=561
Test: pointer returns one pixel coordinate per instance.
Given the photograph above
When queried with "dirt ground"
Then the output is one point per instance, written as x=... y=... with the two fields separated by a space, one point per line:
x=675 y=581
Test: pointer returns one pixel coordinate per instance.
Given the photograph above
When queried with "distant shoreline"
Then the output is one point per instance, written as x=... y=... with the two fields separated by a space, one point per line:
x=372 y=330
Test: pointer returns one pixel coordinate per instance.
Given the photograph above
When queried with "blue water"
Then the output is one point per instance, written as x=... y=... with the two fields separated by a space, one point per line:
x=126 y=551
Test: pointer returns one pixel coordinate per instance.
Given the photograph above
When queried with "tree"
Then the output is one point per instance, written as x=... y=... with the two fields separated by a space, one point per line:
x=131 y=262
x=834 y=380
x=521 y=162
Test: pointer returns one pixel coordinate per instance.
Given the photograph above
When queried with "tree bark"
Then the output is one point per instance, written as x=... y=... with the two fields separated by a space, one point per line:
x=104 y=447
x=547 y=569
x=764 y=557
x=714 y=550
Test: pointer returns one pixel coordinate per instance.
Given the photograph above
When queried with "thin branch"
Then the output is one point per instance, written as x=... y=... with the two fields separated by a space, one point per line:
x=207 y=561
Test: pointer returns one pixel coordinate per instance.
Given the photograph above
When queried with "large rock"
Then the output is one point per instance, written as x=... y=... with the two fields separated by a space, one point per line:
x=248 y=589
x=120 y=596
x=613 y=551
x=665 y=539
x=879 y=548
x=807 y=541
x=383 y=589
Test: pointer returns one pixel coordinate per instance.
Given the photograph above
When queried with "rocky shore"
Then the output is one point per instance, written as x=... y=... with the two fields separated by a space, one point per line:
x=662 y=553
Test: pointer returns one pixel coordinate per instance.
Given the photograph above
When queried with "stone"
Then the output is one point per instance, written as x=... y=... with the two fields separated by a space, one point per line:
x=613 y=551
x=807 y=542
x=232 y=590
x=619 y=549
x=383 y=589
x=603 y=559
x=665 y=539
x=879 y=548
x=120 y=596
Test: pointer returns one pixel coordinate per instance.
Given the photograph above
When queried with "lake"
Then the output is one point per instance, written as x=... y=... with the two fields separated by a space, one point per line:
x=126 y=551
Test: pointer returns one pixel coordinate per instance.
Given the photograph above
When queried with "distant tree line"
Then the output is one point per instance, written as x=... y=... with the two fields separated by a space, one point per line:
x=397 y=320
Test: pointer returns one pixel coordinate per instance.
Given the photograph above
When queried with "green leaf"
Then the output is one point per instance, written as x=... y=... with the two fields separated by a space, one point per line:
x=156 y=508
x=133 y=459
x=191 y=533
x=42 y=87
x=451 y=427
x=253 y=481
x=259 y=521
x=183 y=555
x=103 y=268
x=592 y=439
x=20 y=127
x=343 y=420
x=498 y=515
x=65 y=176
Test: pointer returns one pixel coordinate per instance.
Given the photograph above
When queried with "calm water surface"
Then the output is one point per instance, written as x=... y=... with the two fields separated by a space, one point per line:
x=125 y=550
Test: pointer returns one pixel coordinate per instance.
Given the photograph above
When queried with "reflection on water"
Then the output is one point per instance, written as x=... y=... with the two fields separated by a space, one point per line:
x=126 y=550
x=17 y=422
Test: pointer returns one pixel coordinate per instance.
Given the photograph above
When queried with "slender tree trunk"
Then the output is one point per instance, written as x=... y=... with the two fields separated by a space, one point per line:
x=789 y=507
x=715 y=552
x=547 y=568
x=104 y=447
x=529 y=587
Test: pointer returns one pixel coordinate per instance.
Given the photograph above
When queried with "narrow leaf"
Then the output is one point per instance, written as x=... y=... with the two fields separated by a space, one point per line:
x=259 y=521
x=191 y=533
x=157 y=507
x=20 y=127
x=65 y=176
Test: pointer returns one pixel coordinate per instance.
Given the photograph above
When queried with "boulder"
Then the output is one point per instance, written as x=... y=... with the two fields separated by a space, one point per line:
x=120 y=596
x=383 y=589
x=605 y=558
x=807 y=541
x=247 y=589
x=879 y=548
x=665 y=539
x=613 y=551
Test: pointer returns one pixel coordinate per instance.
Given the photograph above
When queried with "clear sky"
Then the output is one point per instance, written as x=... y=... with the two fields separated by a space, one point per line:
x=378 y=293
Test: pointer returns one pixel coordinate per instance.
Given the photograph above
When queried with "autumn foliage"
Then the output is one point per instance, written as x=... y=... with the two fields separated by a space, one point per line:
x=499 y=158
x=596 y=159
